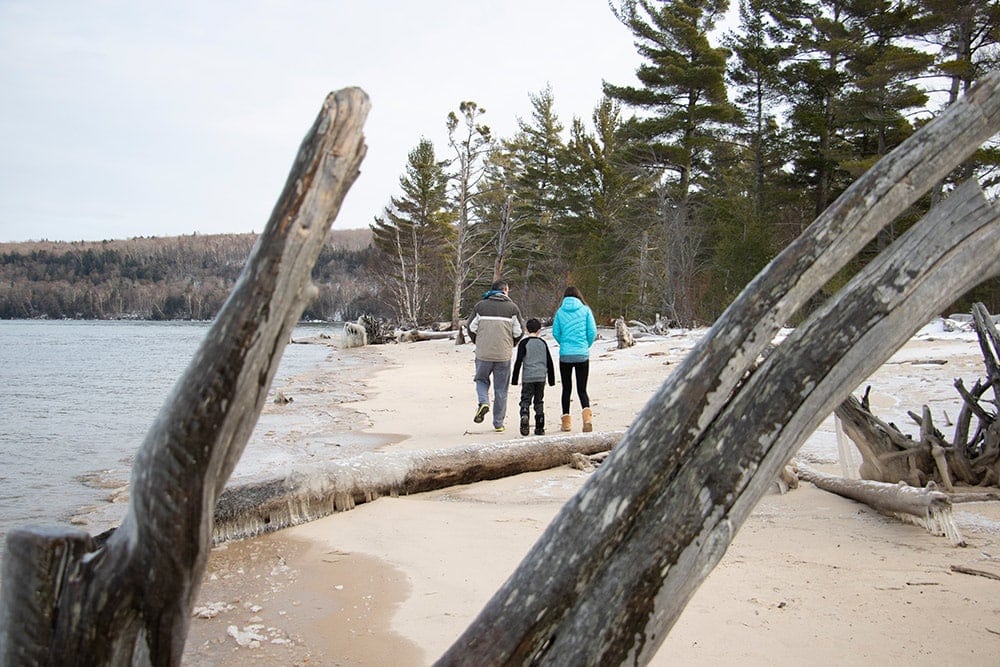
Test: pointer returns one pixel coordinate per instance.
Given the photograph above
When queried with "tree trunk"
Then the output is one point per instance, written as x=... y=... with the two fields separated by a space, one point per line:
x=68 y=600
x=254 y=509
x=614 y=570
x=415 y=336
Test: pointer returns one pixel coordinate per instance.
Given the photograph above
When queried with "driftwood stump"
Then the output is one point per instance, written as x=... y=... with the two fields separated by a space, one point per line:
x=972 y=457
x=622 y=333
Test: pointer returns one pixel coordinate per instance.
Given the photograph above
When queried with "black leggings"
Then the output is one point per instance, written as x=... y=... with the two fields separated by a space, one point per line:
x=582 y=369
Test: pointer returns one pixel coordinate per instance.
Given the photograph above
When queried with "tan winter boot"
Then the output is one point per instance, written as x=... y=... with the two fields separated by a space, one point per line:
x=567 y=423
x=588 y=420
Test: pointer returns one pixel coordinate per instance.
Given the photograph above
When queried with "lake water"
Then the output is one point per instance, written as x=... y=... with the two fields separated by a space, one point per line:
x=79 y=397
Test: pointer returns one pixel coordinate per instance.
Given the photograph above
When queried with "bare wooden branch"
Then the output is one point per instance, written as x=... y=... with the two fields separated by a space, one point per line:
x=128 y=601
x=964 y=569
x=989 y=343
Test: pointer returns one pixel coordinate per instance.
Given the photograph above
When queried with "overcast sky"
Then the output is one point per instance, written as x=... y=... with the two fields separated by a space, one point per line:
x=131 y=118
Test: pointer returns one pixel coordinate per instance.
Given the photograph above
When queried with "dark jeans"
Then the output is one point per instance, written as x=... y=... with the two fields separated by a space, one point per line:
x=582 y=370
x=533 y=393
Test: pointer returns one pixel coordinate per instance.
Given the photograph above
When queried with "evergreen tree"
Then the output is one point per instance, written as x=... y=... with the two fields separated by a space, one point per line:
x=537 y=165
x=603 y=234
x=965 y=35
x=816 y=82
x=411 y=236
x=682 y=93
x=685 y=109
x=756 y=83
x=851 y=85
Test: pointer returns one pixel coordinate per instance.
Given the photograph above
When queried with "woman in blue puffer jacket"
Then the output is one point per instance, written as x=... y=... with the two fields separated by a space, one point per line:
x=575 y=330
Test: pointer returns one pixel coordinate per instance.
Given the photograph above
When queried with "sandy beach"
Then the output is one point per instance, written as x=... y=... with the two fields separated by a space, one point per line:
x=810 y=578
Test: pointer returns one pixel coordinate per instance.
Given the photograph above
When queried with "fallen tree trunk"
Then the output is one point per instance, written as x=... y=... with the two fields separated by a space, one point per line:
x=416 y=336
x=927 y=507
x=67 y=600
x=253 y=509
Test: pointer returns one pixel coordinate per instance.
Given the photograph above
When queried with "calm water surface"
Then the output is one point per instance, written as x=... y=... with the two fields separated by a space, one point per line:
x=78 y=398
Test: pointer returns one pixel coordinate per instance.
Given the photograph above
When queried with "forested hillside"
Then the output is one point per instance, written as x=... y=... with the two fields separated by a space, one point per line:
x=183 y=277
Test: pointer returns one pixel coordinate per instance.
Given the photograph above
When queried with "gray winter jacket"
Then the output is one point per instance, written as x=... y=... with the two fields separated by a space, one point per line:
x=533 y=355
x=495 y=325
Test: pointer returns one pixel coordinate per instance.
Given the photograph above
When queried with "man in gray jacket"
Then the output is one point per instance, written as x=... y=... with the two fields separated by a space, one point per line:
x=495 y=326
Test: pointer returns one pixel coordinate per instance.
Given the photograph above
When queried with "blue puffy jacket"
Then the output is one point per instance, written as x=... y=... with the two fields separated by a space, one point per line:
x=574 y=328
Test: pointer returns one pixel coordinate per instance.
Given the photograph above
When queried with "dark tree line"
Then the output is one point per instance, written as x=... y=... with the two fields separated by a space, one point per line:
x=185 y=277
x=686 y=182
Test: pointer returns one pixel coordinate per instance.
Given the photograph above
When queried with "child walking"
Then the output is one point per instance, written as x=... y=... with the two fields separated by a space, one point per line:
x=533 y=355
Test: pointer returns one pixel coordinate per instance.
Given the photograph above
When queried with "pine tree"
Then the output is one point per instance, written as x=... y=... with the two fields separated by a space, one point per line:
x=683 y=94
x=603 y=232
x=756 y=84
x=411 y=236
x=685 y=110
x=537 y=156
x=966 y=35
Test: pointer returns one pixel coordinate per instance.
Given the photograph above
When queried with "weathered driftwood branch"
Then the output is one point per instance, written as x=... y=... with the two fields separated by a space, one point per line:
x=927 y=507
x=128 y=601
x=253 y=509
x=965 y=569
x=614 y=570
x=880 y=445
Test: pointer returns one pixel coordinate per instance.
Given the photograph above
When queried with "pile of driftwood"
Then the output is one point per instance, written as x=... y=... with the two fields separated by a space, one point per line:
x=972 y=457
x=902 y=476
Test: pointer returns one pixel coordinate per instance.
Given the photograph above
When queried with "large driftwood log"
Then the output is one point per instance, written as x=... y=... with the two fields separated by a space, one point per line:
x=927 y=507
x=614 y=570
x=69 y=601
x=257 y=508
